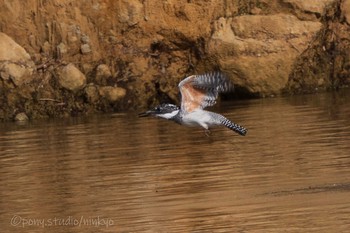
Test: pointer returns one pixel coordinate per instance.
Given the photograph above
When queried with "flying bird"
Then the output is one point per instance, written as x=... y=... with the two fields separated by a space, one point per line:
x=197 y=93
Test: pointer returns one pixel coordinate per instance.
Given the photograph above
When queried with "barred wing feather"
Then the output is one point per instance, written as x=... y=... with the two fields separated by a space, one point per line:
x=201 y=91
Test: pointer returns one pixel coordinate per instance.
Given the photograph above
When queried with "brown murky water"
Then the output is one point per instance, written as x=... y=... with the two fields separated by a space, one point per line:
x=291 y=173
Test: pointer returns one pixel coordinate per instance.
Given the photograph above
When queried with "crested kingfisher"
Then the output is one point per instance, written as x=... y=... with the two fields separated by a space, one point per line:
x=197 y=93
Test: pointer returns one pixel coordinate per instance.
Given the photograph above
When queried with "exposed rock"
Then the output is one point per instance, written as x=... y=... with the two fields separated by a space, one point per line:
x=112 y=94
x=92 y=93
x=46 y=48
x=62 y=48
x=346 y=10
x=32 y=41
x=17 y=73
x=102 y=74
x=265 y=46
x=71 y=78
x=85 y=39
x=5 y=75
x=21 y=117
x=85 y=48
x=310 y=6
x=131 y=12
x=15 y=62
x=11 y=51
x=73 y=33
x=325 y=64
x=259 y=50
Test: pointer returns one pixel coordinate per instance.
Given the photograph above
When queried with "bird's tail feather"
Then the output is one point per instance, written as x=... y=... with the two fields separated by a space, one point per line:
x=235 y=127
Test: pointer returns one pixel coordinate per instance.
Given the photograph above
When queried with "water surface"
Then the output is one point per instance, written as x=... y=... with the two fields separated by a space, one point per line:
x=120 y=173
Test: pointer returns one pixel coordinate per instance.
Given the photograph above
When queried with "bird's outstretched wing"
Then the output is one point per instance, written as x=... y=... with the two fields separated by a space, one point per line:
x=201 y=91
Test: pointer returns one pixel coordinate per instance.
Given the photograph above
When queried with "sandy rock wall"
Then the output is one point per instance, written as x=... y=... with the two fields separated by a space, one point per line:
x=105 y=55
x=260 y=50
x=325 y=64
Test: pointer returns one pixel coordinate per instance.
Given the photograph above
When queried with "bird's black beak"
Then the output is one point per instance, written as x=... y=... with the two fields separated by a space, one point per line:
x=146 y=114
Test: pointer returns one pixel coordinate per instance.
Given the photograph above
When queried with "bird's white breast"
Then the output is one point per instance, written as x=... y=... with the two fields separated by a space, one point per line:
x=168 y=115
x=198 y=117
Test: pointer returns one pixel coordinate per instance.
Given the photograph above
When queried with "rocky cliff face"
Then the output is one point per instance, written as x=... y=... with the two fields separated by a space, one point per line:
x=65 y=57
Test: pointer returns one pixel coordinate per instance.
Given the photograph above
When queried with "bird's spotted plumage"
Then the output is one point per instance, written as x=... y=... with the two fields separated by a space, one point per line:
x=197 y=93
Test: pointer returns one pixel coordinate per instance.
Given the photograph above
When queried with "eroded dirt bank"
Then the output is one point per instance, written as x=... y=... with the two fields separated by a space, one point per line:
x=63 y=58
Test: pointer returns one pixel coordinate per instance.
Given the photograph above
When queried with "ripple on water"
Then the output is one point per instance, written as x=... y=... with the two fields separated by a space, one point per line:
x=289 y=174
